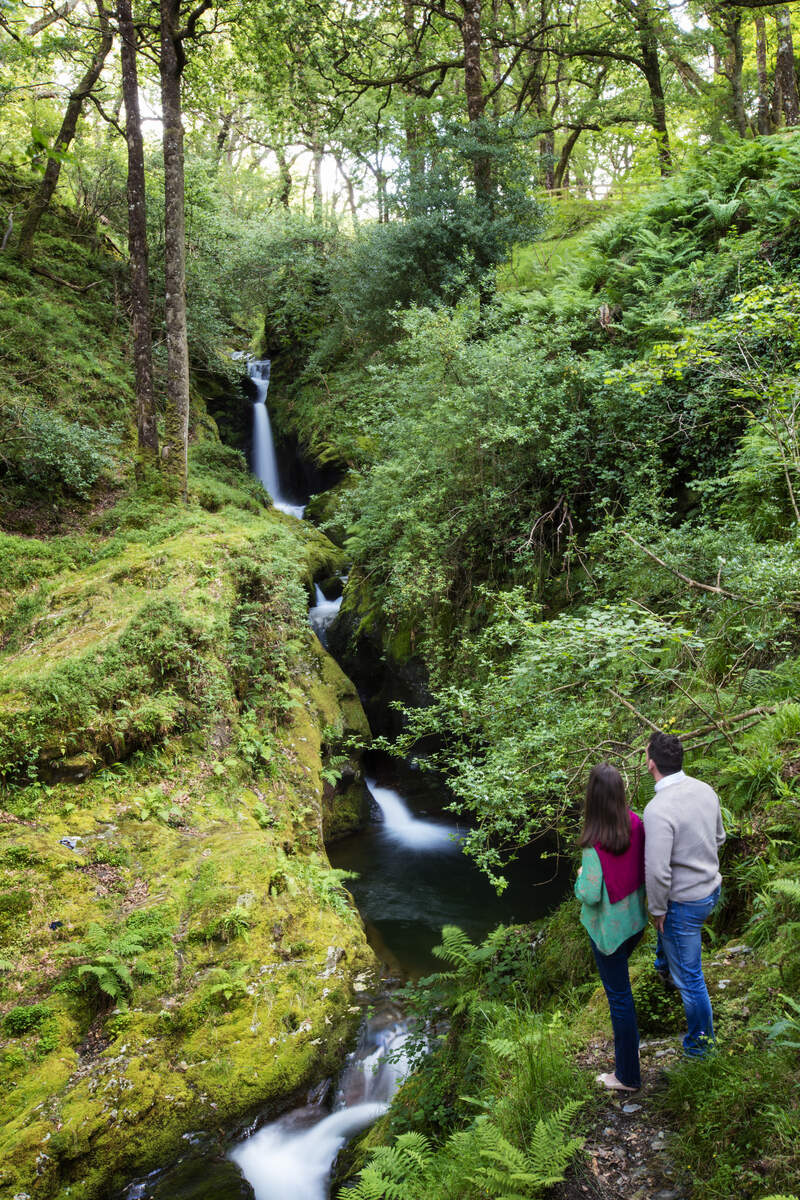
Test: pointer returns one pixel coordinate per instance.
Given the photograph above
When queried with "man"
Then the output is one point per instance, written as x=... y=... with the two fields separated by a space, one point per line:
x=683 y=833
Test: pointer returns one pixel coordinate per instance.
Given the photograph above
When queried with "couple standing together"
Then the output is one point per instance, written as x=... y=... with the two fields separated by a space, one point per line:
x=673 y=856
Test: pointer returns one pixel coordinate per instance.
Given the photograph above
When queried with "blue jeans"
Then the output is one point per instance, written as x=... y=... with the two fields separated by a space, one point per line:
x=613 y=971
x=679 y=950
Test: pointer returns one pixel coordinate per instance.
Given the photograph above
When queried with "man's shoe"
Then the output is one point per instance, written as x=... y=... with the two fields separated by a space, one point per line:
x=667 y=980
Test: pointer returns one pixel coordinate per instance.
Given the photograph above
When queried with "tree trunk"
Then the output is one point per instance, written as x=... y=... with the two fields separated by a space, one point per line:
x=176 y=425
x=561 y=178
x=764 y=124
x=286 y=177
x=473 y=90
x=137 y=237
x=63 y=141
x=316 y=151
x=733 y=70
x=351 y=194
x=651 y=69
x=785 y=79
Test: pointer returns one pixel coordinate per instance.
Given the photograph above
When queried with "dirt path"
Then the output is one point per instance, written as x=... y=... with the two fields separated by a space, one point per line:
x=626 y=1155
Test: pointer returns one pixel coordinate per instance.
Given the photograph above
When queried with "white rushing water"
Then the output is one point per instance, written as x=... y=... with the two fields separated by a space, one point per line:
x=291 y=1158
x=265 y=460
x=402 y=826
x=323 y=613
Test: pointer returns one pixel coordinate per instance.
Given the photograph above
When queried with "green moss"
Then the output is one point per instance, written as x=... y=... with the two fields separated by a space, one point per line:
x=181 y=659
x=24 y=1018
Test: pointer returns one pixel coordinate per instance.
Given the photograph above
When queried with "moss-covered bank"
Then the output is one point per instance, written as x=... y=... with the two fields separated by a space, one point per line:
x=175 y=950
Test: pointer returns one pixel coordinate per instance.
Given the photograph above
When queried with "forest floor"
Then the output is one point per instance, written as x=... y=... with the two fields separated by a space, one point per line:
x=626 y=1152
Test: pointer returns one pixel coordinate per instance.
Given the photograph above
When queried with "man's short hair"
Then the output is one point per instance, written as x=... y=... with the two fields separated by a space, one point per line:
x=666 y=751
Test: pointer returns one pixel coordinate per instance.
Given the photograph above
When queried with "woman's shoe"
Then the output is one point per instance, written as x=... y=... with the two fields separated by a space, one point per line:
x=610 y=1081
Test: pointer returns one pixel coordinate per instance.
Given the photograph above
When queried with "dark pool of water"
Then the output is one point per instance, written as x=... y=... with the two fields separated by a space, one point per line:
x=409 y=887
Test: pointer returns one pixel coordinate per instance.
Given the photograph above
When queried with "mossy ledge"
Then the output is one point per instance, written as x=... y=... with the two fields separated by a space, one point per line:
x=175 y=951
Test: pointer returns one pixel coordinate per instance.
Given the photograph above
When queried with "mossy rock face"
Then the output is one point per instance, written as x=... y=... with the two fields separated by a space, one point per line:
x=344 y=810
x=175 y=952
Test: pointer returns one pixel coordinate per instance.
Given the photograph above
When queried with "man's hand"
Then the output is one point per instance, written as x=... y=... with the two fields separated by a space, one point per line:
x=658 y=922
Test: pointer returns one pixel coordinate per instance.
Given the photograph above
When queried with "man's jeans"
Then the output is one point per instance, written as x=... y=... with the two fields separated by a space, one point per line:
x=679 y=951
x=613 y=971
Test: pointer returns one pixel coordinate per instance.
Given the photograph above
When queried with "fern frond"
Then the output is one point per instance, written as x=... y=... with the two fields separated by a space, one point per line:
x=456 y=947
x=788 y=888
x=550 y=1151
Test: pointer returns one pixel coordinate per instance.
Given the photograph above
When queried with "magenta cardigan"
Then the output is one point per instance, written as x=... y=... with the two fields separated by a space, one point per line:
x=624 y=873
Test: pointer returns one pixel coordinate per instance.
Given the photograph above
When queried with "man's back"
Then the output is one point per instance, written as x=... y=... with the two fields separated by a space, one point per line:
x=683 y=833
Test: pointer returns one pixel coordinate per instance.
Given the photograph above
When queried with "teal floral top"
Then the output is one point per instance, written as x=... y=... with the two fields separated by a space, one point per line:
x=608 y=925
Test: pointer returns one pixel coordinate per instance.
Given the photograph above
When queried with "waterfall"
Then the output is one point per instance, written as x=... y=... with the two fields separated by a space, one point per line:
x=402 y=826
x=291 y=1158
x=265 y=460
x=323 y=613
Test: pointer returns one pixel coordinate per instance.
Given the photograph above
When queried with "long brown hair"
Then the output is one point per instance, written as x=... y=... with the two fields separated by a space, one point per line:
x=606 y=819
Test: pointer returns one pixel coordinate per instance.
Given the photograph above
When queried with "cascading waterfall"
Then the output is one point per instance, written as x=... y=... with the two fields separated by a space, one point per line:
x=265 y=460
x=402 y=826
x=322 y=615
x=291 y=1158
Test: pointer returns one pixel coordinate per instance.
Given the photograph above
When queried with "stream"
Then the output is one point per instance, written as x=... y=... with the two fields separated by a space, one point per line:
x=412 y=879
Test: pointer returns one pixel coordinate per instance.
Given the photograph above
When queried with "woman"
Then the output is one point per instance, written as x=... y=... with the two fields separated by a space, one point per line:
x=610 y=886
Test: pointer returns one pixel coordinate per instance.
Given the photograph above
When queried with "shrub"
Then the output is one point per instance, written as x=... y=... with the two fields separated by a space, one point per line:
x=41 y=451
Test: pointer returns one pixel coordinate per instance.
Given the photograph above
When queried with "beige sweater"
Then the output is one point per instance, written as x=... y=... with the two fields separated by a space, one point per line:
x=683 y=832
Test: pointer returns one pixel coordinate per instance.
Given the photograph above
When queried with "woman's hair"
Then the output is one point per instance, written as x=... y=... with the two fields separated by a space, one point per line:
x=606 y=819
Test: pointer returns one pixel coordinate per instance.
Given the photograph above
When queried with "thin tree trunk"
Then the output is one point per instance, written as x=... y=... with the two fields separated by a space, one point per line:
x=316 y=151
x=286 y=177
x=137 y=237
x=176 y=425
x=733 y=69
x=351 y=195
x=764 y=124
x=561 y=178
x=785 y=78
x=225 y=120
x=413 y=124
x=66 y=133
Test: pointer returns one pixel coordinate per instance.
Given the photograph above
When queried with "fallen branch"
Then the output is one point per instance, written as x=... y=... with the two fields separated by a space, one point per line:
x=705 y=587
x=742 y=716
x=635 y=711
x=57 y=279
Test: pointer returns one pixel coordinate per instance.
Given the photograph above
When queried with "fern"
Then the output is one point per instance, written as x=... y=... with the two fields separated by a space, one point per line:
x=507 y=1173
x=480 y=1156
x=788 y=1024
x=112 y=963
x=788 y=888
x=398 y=1172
